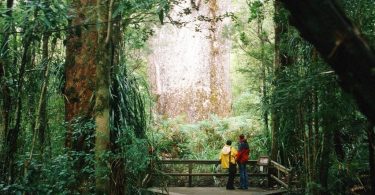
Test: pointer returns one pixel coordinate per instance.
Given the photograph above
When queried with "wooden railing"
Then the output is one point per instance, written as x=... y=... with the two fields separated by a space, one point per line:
x=282 y=177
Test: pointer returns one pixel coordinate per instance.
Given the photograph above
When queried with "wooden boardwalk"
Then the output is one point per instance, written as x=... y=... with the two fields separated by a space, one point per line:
x=213 y=191
x=259 y=168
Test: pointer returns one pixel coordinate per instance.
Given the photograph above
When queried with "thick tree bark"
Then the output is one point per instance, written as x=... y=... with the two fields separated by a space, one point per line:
x=80 y=69
x=88 y=82
x=325 y=25
x=80 y=84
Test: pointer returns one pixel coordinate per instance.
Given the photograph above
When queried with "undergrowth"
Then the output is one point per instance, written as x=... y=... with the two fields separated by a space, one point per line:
x=175 y=139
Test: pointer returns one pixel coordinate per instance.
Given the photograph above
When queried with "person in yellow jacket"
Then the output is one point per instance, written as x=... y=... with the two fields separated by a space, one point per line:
x=228 y=161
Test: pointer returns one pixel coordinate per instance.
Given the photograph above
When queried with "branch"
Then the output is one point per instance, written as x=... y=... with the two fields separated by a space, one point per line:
x=324 y=24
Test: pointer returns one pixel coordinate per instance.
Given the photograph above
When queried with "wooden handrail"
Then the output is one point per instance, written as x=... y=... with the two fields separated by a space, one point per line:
x=286 y=171
x=211 y=174
x=280 y=167
x=279 y=181
x=190 y=174
x=188 y=161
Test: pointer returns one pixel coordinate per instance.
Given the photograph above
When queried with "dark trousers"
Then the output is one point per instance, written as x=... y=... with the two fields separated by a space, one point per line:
x=232 y=173
x=244 y=179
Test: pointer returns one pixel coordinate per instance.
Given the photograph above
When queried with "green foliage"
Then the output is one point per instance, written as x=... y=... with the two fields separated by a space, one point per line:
x=204 y=140
x=51 y=169
x=256 y=10
x=290 y=93
x=362 y=12
x=130 y=122
x=305 y=94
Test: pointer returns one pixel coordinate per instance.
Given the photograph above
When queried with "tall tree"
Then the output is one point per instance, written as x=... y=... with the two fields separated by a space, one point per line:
x=87 y=84
x=282 y=59
x=102 y=96
x=371 y=148
x=5 y=91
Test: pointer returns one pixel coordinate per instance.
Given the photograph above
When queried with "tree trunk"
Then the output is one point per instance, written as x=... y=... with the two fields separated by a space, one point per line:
x=329 y=125
x=80 y=83
x=88 y=71
x=325 y=25
x=102 y=95
x=274 y=113
x=117 y=175
x=80 y=68
x=281 y=61
x=264 y=87
x=325 y=158
x=41 y=116
x=371 y=149
x=7 y=100
x=12 y=136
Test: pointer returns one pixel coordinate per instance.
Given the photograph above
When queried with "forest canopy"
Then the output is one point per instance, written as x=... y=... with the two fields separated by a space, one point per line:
x=94 y=94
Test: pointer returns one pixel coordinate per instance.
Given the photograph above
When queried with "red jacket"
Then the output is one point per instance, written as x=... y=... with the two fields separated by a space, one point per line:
x=243 y=153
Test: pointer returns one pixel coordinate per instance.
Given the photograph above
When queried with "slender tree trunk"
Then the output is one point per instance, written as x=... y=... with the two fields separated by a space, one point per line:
x=274 y=113
x=41 y=113
x=7 y=100
x=338 y=145
x=102 y=106
x=282 y=59
x=371 y=148
x=102 y=122
x=329 y=121
x=316 y=135
x=118 y=177
x=325 y=158
x=264 y=89
x=310 y=146
x=12 y=136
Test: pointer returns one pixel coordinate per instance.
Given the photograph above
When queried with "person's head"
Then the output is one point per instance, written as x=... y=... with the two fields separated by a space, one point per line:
x=242 y=137
x=229 y=142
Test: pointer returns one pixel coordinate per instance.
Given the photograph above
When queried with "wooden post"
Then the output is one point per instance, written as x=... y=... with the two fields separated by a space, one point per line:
x=268 y=176
x=190 y=176
x=289 y=177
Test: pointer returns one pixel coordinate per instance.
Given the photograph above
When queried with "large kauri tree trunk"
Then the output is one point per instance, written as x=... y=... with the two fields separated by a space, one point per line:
x=191 y=78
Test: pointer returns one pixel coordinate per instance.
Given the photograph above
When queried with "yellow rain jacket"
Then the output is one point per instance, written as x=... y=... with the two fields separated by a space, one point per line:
x=224 y=156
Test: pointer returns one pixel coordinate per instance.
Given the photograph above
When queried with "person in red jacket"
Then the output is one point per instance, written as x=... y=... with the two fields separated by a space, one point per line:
x=242 y=158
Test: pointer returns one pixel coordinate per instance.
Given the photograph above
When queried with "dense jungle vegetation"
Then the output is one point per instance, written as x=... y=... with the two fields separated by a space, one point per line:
x=77 y=116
